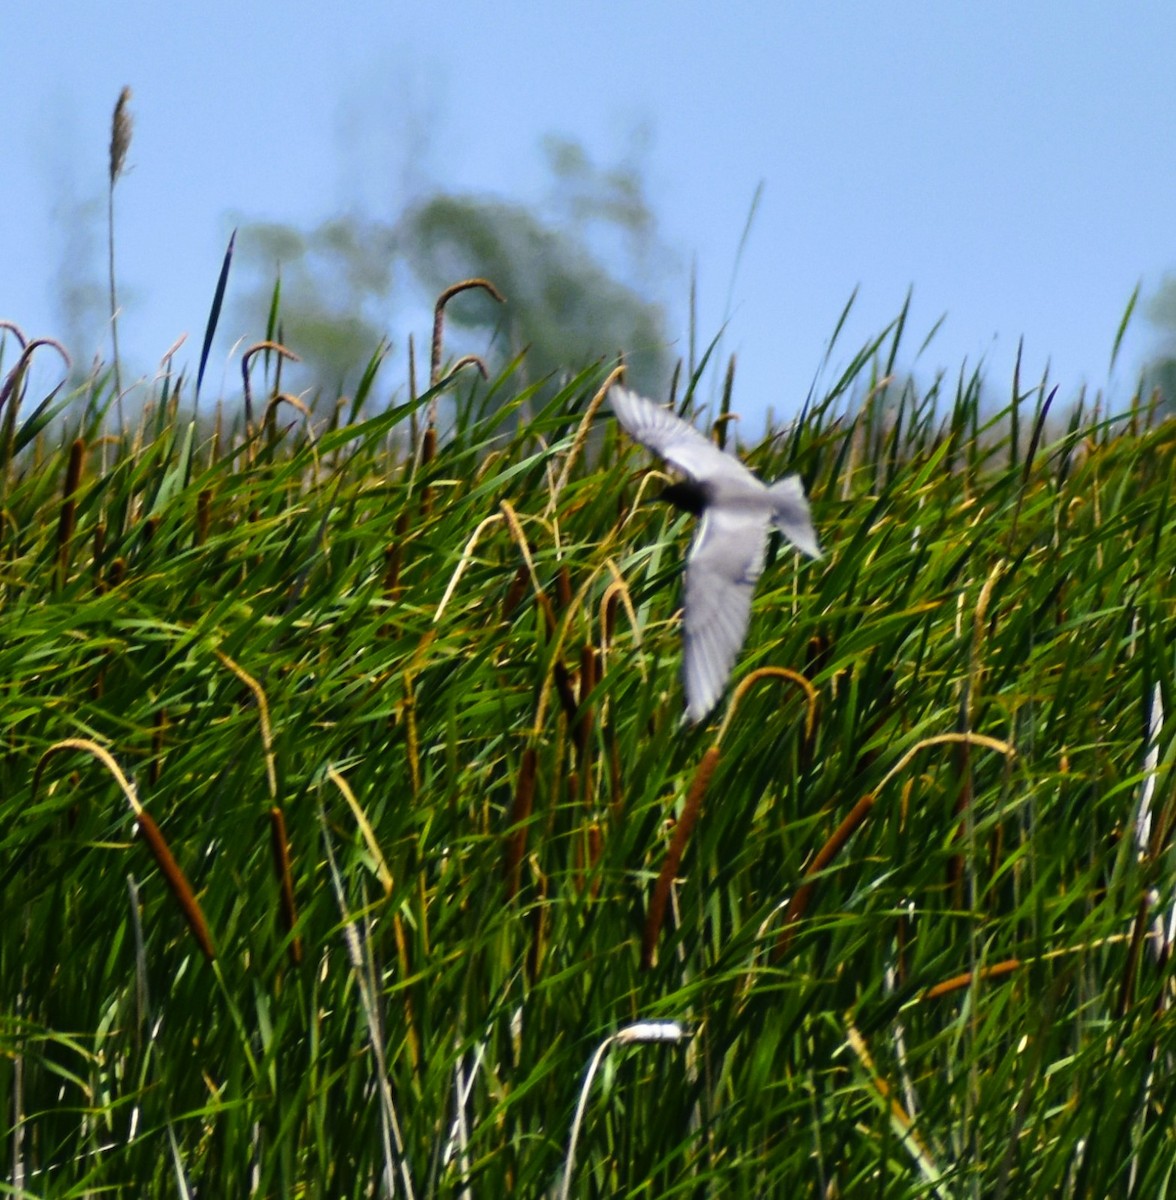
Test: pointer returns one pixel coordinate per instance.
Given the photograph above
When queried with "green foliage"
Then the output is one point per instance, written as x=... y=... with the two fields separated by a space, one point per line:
x=561 y=305
x=955 y=997
x=572 y=270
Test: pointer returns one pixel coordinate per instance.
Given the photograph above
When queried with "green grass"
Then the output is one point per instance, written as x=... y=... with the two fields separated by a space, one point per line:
x=953 y=998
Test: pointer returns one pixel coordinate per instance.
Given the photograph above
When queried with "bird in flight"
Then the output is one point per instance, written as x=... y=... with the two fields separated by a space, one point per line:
x=727 y=555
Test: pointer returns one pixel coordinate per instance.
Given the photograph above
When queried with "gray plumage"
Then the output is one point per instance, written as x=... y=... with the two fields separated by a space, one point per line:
x=737 y=511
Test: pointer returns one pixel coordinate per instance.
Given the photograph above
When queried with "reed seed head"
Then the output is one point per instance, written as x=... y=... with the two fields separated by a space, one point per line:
x=121 y=128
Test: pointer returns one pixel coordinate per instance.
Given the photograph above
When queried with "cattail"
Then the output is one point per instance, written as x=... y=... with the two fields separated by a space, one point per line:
x=588 y=681
x=391 y=569
x=520 y=813
x=99 y=553
x=203 y=515
x=563 y=588
x=281 y=851
x=610 y=615
x=177 y=881
x=117 y=572
x=800 y=900
x=957 y=982
x=149 y=528
x=673 y=859
x=65 y=525
x=393 y=558
x=515 y=593
x=540 y=919
x=614 y=774
x=563 y=686
x=428 y=453
x=595 y=846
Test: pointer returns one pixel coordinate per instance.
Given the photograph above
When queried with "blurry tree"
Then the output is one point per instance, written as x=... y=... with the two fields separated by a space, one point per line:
x=1161 y=370
x=334 y=281
x=564 y=303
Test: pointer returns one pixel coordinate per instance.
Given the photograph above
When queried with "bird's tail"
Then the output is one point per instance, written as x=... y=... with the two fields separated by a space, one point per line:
x=791 y=516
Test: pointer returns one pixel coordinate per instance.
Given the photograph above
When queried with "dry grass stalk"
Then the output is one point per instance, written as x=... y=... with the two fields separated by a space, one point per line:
x=581 y=437
x=12 y=388
x=468 y=360
x=365 y=828
x=247 y=361
x=439 y=325
x=673 y=860
x=786 y=673
x=263 y=714
x=902 y=1121
x=16 y=331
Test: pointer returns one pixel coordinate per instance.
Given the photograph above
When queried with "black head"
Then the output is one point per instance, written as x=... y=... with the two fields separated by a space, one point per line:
x=687 y=495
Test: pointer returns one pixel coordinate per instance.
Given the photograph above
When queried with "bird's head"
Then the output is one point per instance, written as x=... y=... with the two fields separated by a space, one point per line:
x=686 y=495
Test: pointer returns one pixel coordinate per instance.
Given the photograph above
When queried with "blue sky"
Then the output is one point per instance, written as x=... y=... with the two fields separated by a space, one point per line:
x=1010 y=162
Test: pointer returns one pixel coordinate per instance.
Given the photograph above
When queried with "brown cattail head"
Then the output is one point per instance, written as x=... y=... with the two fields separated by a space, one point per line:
x=515 y=593
x=563 y=588
x=181 y=889
x=589 y=678
x=203 y=515
x=563 y=687
x=120 y=134
x=280 y=845
x=65 y=526
x=520 y=812
x=798 y=905
x=673 y=860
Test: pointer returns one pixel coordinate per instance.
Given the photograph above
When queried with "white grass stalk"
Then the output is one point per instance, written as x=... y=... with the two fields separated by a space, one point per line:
x=394 y=1159
x=458 y=1140
x=1151 y=763
x=640 y=1032
x=182 y=1188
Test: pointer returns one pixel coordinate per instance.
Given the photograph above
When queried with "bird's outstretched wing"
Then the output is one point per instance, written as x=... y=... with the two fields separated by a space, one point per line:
x=672 y=439
x=791 y=515
x=724 y=563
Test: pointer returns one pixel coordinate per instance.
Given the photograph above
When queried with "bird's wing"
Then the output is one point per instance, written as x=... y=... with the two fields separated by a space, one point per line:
x=721 y=571
x=791 y=515
x=672 y=439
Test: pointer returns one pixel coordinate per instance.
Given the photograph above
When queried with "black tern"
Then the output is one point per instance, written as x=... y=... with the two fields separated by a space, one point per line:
x=727 y=555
